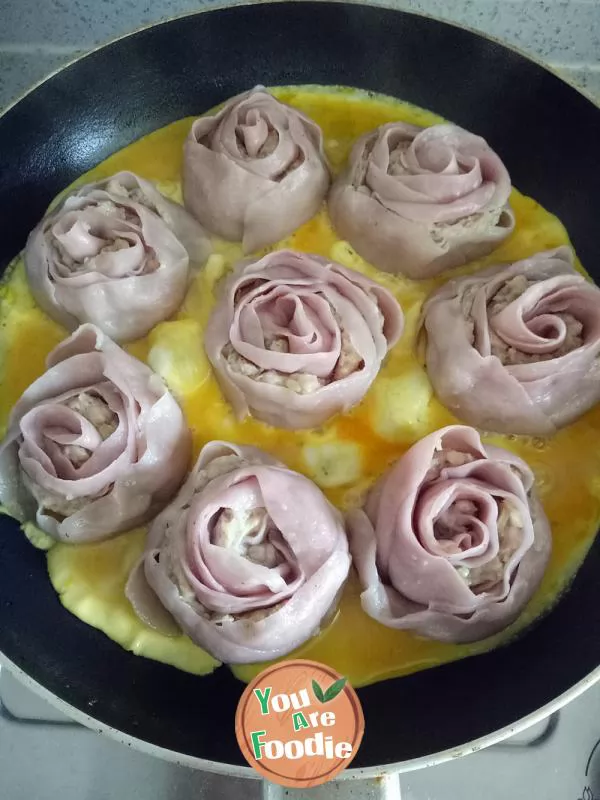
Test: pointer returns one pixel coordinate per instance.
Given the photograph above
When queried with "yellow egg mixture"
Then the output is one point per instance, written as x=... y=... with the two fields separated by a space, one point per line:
x=345 y=456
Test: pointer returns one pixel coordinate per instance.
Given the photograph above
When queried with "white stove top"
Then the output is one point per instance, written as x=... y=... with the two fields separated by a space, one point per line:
x=44 y=756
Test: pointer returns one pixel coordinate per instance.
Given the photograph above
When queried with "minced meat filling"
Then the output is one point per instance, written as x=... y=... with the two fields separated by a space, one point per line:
x=348 y=362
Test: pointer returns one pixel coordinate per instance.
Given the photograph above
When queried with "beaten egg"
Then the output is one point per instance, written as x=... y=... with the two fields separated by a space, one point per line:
x=345 y=456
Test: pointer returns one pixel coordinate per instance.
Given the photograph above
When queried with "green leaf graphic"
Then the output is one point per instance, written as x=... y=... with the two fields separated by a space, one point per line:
x=318 y=691
x=330 y=693
x=335 y=689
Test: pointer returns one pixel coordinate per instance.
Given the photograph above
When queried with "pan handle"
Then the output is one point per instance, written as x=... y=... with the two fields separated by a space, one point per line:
x=384 y=787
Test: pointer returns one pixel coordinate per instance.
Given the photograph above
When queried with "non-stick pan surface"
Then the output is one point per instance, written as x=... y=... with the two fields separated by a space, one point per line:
x=548 y=135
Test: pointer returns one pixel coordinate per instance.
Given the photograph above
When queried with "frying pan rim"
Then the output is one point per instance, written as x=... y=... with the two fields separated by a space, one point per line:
x=224 y=5
x=233 y=770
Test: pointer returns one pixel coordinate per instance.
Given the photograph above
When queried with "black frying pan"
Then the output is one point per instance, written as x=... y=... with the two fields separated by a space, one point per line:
x=548 y=135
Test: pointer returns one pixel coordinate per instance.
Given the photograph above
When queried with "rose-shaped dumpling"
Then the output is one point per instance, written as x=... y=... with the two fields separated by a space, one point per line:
x=417 y=201
x=249 y=559
x=452 y=542
x=95 y=446
x=255 y=171
x=514 y=348
x=115 y=253
x=296 y=338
